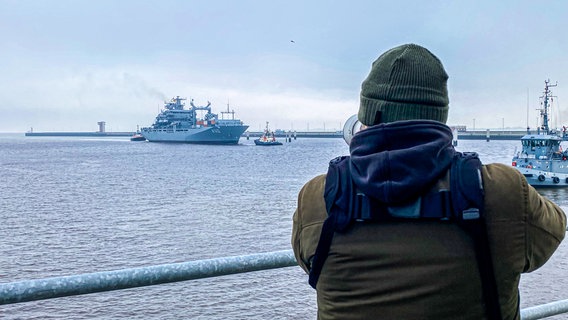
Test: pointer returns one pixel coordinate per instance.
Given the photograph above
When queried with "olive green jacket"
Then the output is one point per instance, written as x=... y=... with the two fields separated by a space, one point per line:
x=428 y=270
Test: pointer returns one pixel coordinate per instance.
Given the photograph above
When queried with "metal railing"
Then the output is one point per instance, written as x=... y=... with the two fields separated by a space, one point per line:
x=49 y=288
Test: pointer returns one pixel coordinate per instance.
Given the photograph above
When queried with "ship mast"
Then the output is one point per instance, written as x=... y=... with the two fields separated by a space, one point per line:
x=544 y=112
x=232 y=113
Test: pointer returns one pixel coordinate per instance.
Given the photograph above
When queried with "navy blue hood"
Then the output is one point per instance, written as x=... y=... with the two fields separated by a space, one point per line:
x=395 y=162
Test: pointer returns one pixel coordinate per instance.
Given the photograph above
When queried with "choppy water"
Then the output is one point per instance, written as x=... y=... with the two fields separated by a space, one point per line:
x=78 y=205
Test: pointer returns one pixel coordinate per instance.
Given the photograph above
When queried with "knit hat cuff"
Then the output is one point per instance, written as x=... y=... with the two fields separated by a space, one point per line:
x=395 y=111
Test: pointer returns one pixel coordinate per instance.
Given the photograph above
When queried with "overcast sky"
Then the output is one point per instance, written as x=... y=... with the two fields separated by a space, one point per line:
x=65 y=65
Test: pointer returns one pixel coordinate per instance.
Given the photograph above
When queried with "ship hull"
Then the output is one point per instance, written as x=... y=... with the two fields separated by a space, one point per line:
x=203 y=135
x=545 y=179
x=258 y=142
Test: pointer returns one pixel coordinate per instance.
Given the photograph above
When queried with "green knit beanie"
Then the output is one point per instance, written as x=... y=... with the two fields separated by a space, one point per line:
x=406 y=82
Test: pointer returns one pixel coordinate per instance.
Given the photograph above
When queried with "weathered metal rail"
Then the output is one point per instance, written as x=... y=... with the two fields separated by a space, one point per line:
x=49 y=288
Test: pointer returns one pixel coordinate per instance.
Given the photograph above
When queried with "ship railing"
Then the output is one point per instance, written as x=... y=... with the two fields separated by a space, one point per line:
x=56 y=287
x=167 y=130
x=229 y=122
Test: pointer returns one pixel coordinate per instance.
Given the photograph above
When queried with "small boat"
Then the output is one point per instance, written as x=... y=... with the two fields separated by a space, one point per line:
x=541 y=159
x=267 y=138
x=137 y=137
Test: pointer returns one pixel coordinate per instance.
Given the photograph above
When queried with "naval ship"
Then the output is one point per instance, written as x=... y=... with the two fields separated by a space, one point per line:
x=176 y=124
x=541 y=159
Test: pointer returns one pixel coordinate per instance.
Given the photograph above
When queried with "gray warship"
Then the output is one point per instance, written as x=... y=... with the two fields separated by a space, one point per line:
x=541 y=159
x=176 y=124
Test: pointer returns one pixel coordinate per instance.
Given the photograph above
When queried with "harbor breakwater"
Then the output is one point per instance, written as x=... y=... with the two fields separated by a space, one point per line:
x=462 y=135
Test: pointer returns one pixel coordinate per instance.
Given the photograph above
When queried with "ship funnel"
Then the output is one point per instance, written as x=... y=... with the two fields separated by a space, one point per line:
x=351 y=127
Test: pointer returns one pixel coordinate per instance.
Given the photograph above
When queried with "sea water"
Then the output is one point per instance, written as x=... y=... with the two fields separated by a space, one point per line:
x=78 y=205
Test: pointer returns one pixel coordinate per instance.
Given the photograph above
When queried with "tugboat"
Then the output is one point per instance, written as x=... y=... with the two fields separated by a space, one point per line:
x=177 y=124
x=137 y=136
x=541 y=160
x=267 y=138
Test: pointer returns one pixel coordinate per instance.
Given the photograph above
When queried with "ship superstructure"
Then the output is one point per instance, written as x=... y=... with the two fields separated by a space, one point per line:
x=176 y=124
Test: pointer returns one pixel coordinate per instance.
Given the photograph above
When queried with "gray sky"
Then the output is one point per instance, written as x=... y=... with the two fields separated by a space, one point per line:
x=67 y=64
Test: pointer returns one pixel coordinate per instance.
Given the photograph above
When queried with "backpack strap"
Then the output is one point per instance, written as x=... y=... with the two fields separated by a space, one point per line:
x=339 y=216
x=467 y=195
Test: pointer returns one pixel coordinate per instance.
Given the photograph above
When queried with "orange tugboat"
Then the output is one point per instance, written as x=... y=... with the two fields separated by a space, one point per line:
x=267 y=138
x=137 y=136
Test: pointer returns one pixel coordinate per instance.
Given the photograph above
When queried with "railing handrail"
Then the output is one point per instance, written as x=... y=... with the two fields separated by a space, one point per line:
x=55 y=287
x=545 y=310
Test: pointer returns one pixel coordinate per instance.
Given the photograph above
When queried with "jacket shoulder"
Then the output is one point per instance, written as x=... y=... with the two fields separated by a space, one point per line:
x=308 y=220
x=506 y=194
x=311 y=203
x=499 y=173
x=523 y=223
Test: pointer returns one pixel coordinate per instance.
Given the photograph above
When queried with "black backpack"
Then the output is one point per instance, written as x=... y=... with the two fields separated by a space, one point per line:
x=462 y=204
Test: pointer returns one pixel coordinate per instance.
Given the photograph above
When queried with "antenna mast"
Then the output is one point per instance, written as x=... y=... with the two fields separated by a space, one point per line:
x=544 y=112
x=528 y=128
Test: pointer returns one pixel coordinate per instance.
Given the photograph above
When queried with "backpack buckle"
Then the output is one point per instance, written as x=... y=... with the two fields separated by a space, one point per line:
x=471 y=214
x=411 y=210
